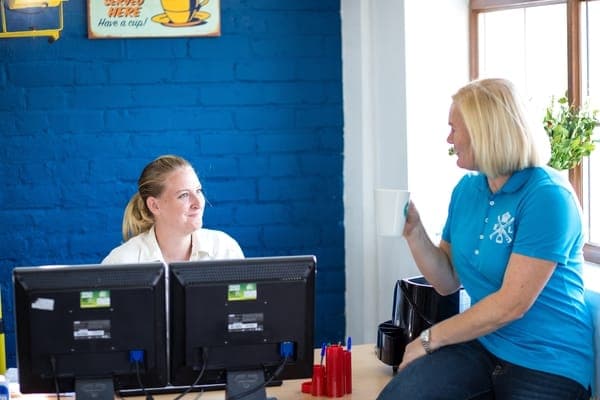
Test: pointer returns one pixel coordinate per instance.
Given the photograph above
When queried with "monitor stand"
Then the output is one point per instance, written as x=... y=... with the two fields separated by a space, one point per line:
x=94 y=389
x=241 y=381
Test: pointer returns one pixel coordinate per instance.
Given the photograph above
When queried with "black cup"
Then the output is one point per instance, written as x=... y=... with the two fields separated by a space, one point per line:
x=391 y=341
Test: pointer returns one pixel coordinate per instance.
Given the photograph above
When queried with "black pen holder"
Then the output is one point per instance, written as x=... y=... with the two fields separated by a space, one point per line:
x=391 y=342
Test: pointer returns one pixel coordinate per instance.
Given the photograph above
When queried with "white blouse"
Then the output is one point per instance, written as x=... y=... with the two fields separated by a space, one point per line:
x=207 y=244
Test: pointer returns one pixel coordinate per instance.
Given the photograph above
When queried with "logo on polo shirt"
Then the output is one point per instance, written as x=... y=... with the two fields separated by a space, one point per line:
x=503 y=229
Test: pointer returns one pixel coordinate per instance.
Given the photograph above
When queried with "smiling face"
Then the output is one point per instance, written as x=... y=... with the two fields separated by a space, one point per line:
x=459 y=138
x=180 y=206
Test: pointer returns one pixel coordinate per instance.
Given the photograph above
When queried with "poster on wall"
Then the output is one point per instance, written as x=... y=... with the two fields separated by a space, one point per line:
x=114 y=19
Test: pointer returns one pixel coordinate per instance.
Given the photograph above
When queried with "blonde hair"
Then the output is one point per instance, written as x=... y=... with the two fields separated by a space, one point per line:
x=137 y=218
x=502 y=139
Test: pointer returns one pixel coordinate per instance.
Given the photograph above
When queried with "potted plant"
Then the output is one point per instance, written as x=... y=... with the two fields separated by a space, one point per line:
x=570 y=130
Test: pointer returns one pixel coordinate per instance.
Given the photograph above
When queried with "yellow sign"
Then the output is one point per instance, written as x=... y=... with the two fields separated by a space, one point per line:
x=153 y=18
x=19 y=4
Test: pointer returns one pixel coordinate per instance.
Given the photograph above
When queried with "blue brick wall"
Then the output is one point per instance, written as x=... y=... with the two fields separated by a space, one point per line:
x=258 y=111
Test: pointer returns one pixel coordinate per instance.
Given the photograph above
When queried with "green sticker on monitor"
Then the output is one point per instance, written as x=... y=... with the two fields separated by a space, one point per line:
x=94 y=299
x=242 y=292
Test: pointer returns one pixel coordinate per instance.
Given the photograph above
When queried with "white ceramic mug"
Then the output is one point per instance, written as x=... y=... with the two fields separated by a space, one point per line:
x=390 y=211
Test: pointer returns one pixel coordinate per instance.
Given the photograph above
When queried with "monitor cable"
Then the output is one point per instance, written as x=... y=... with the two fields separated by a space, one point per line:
x=241 y=395
x=139 y=379
x=55 y=377
x=189 y=389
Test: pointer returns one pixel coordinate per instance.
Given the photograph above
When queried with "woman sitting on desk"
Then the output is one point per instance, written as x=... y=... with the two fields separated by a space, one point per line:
x=513 y=239
x=163 y=220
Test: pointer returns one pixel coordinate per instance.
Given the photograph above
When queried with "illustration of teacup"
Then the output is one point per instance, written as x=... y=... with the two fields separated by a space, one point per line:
x=181 y=11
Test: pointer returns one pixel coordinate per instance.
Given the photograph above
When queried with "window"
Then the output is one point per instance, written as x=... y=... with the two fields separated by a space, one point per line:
x=590 y=32
x=528 y=54
x=549 y=50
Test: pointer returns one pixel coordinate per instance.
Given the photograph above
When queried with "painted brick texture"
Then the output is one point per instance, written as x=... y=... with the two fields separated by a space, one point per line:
x=258 y=112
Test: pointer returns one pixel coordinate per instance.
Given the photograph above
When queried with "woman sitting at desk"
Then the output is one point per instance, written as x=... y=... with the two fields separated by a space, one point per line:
x=163 y=220
x=513 y=239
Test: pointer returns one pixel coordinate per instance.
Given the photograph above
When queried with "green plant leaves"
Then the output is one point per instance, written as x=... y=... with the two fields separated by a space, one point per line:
x=570 y=131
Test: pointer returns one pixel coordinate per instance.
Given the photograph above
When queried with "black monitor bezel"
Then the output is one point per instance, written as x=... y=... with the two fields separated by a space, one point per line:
x=261 y=270
x=29 y=282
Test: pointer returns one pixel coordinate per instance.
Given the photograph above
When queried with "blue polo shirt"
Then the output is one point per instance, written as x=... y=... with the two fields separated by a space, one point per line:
x=535 y=214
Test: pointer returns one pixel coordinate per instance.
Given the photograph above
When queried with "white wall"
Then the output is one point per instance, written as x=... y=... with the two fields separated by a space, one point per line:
x=401 y=62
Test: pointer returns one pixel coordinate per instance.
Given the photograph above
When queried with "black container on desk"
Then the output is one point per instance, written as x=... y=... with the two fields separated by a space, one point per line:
x=416 y=307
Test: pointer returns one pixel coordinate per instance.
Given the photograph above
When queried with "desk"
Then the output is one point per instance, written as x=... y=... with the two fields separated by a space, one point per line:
x=369 y=376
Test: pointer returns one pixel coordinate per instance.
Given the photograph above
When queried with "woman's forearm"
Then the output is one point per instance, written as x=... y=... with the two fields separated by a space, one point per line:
x=479 y=320
x=433 y=261
x=524 y=280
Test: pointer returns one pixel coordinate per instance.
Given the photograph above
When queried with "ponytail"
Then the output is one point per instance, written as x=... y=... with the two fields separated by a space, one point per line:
x=136 y=218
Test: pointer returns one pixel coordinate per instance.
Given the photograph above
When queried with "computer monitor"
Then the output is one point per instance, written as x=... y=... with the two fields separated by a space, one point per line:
x=242 y=322
x=91 y=329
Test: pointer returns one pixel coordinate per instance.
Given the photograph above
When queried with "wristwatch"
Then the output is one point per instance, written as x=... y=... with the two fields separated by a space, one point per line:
x=426 y=340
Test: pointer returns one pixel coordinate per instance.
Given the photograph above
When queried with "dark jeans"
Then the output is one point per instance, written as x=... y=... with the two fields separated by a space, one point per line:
x=467 y=371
